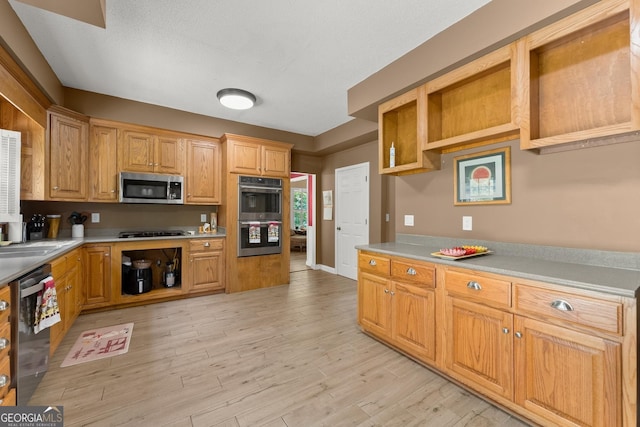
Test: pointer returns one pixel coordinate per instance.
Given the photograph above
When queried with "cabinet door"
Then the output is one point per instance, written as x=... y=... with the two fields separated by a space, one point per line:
x=57 y=330
x=136 y=151
x=567 y=377
x=207 y=271
x=244 y=157
x=480 y=346
x=103 y=164
x=374 y=304
x=97 y=273
x=204 y=173
x=68 y=158
x=73 y=292
x=169 y=156
x=275 y=162
x=414 y=319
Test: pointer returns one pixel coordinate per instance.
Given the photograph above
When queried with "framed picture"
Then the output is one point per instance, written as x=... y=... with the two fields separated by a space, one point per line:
x=482 y=178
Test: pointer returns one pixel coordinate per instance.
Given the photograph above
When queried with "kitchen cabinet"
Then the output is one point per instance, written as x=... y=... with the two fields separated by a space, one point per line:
x=254 y=156
x=97 y=276
x=67 y=274
x=401 y=124
x=206 y=265
x=103 y=163
x=7 y=393
x=476 y=103
x=580 y=78
x=396 y=301
x=151 y=152
x=32 y=150
x=204 y=172
x=67 y=154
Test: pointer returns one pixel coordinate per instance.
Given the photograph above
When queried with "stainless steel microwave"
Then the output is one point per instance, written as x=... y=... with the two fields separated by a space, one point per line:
x=151 y=188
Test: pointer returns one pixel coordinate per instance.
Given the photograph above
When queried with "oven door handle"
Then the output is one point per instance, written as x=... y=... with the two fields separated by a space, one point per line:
x=31 y=290
x=260 y=222
x=264 y=189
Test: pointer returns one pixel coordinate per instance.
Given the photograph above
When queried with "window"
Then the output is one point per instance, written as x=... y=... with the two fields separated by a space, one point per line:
x=299 y=208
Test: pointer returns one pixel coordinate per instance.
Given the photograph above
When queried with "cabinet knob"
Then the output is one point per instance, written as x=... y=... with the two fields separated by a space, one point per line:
x=411 y=271
x=505 y=330
x=392 y=293
x=518 y=334
x=106 y=254
x=4 y=343
x=474 y=285
x=4 y=380
x=372 y=262
x=56 y=188
x=561 y=305
x=207 y=244
x=150 y=164
x=113 y=191
x=3 y=305
x=386 y=291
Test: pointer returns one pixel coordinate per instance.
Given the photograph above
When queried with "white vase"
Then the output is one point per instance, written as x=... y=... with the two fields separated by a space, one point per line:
x=77 y=230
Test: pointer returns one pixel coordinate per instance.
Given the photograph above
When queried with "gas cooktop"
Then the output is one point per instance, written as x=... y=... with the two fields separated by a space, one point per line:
x=132 y=234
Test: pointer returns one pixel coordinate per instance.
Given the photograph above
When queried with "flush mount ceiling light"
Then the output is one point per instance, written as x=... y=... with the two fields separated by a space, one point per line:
x=236 y=99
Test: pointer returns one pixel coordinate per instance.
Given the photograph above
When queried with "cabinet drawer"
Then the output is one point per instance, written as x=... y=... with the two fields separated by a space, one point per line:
x=5 y=339
x=206 y=245
x=5 y=376
x=413 y=271
x=591 y=312
x=493 y=292
x=59 y=267
x=5 y=304
x=376 y=264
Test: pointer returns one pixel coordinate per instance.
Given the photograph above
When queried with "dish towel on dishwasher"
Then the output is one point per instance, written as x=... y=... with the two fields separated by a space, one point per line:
x=47 y=310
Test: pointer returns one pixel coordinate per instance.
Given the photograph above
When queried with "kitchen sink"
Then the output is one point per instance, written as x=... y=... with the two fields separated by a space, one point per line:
x=32 y=248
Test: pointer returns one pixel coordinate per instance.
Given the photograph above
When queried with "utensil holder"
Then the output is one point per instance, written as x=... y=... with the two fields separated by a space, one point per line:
x=77 y=230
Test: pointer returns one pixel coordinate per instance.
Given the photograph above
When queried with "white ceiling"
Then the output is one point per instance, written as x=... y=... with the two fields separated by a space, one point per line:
x=299 y=57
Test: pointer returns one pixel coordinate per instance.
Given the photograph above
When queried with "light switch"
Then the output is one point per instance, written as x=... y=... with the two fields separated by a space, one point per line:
x=203 y=217
x=95 y=217
x=408 y=220
x=387 y=217
x=467 y=223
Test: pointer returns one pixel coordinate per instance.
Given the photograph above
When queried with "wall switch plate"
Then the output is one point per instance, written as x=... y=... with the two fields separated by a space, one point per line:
x=408 y=220
x=203 y=217
x=467 y=223
x=95 y=217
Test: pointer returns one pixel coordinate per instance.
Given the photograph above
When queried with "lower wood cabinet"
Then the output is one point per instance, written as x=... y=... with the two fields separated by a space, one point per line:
x=7 y=393
x=558 y=356
x=206 y=265
x=97 y=276
x=67 y=274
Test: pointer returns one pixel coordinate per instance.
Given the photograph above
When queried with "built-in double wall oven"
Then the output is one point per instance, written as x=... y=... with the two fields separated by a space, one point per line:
x=259 y=216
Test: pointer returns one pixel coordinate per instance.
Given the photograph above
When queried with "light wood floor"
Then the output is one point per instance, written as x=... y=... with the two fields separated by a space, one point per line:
x=289 y=356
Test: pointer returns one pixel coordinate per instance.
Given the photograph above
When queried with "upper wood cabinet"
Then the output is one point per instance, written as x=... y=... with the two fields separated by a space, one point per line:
x=145 y=151
x=204 y=172
x=581 y=76
x=476 y=103
x=67 y=154
x=103 y=163
x=254 y=156
x=400 y=124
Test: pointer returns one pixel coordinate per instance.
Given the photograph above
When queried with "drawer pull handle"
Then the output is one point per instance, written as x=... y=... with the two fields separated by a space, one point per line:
x=4 y=343
x=411 y=271
x=505 y=330
x=3 y=305
x=474 y=285
x=4 y=380
x=561 y=305
x=372 y=262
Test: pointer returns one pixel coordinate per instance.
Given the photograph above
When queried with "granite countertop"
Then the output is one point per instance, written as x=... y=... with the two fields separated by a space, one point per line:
x=610 y=272
x=13 y=266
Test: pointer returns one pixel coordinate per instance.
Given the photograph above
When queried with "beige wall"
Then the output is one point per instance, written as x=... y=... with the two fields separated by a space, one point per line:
x=587 y=198
x=326 y=229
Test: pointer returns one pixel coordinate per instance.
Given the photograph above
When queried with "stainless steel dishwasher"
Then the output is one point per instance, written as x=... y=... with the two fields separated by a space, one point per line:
x=30 y=350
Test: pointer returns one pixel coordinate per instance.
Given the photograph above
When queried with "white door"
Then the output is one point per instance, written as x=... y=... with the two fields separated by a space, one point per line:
x=352 y=216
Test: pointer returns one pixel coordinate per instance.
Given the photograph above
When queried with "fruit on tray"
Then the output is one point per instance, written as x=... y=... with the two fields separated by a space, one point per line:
x=463 y=250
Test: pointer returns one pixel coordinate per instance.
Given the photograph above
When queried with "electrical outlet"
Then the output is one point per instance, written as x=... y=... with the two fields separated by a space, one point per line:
x=387 y=217
x=95 y=217
x=467 y=223
x=408 y=220
x=203 y=217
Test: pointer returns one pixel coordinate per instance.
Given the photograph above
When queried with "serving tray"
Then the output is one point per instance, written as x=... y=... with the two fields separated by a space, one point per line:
x=441 y=255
